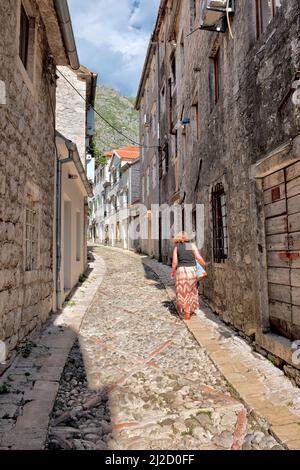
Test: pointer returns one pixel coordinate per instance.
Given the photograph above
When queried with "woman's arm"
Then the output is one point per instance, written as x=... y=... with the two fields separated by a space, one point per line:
x=174 y=262
x=198 y=257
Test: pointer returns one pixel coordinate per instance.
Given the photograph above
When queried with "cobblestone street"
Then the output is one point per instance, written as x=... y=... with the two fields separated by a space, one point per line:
x=118 y=370
x=151 y=385
x=150 y=229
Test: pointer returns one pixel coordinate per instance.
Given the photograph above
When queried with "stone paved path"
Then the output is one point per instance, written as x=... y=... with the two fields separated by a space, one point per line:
x=154 y=385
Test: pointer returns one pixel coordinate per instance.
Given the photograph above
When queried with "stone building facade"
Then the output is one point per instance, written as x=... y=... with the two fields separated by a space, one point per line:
x=32 y=43
x=75 y=100
x=74 y=116
x=229 y=123
x=116 y=193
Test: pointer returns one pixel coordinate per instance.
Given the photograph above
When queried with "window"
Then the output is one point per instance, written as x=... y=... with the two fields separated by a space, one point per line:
x=173 y=69
x=177 y=175
x=163 y=99
x=214 y=77
x=194 y=222
x=143 y=188
x=118 y=232
x=195 y=121
x=78 y=237
x=184 y=145
x=265 y=11
x=31 y=236
x=153 y=76
x=125 y=199
x=220 y=233
x=164 y=164
x=148 y=182
x=154 y=173
x=24 y=37
x=193 y=13
x=182 y=56
x=153 y=120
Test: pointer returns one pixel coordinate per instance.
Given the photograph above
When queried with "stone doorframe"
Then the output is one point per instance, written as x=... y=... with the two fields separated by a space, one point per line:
x=279 y=158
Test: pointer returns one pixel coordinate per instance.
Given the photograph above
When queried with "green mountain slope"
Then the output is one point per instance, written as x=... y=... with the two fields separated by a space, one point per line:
x=119 y=111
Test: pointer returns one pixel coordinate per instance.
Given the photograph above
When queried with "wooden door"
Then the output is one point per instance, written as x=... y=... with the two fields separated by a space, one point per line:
x=282 y=215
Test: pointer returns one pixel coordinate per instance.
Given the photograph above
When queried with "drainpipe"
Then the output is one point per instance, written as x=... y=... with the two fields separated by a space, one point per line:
x=159 y=148
x=130 y=201
x=63 y=14
x=60 y=164
x=155 y=41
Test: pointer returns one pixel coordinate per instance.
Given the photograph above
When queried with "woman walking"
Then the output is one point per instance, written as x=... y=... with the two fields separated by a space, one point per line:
x=185 y=255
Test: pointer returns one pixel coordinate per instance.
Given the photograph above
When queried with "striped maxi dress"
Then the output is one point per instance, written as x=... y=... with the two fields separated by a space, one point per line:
x=187 y=299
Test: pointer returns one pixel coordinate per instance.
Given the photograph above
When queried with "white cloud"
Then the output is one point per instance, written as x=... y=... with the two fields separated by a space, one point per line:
x=112 y=36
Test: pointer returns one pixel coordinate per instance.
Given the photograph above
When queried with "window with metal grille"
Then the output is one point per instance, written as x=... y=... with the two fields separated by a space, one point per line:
x=220 y=232
x=31 y=237
x=164 y=160
x=265 y=11
x=24 y=37
x=173 y=68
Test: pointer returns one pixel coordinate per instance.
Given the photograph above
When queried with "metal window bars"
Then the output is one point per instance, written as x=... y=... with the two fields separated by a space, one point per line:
x=220 y=231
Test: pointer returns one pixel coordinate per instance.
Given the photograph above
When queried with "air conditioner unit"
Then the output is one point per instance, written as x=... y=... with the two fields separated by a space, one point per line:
x=146 y=121
x=88 y=157
x=213 y=14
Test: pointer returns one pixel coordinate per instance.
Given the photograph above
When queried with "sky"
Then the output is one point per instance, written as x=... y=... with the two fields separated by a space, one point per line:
x=112 y=38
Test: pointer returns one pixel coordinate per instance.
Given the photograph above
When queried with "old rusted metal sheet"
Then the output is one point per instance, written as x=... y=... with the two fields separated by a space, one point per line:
x=275 y=193
x=268 y=194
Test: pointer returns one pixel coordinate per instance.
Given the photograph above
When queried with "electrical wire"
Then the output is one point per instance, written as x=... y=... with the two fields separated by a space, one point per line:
x=108 y=145
x=53 y=111
x=228 y=19
x=138 y=144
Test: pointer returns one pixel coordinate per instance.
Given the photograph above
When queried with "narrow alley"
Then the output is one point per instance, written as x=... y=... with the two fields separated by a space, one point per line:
x=150 y=227
x=158 y=378
x=119 y=370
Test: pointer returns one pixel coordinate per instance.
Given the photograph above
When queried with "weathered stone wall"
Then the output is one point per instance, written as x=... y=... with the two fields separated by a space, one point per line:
x=71 y=109
x=250 y=119
x=150 y=152
x=27 y=157
x=243 y=127
x=135 y=183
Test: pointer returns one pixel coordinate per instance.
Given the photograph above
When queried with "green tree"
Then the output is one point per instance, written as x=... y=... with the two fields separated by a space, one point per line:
x=100 y=159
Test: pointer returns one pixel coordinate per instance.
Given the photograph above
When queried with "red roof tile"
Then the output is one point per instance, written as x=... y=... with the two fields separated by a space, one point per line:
x=128 y=153
x=125 y=153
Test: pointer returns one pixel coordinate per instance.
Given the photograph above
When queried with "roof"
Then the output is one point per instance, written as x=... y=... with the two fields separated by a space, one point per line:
x=76 y=160
x=124 y=153
x=54 y=32
x=128 y=153
x=91 y=81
